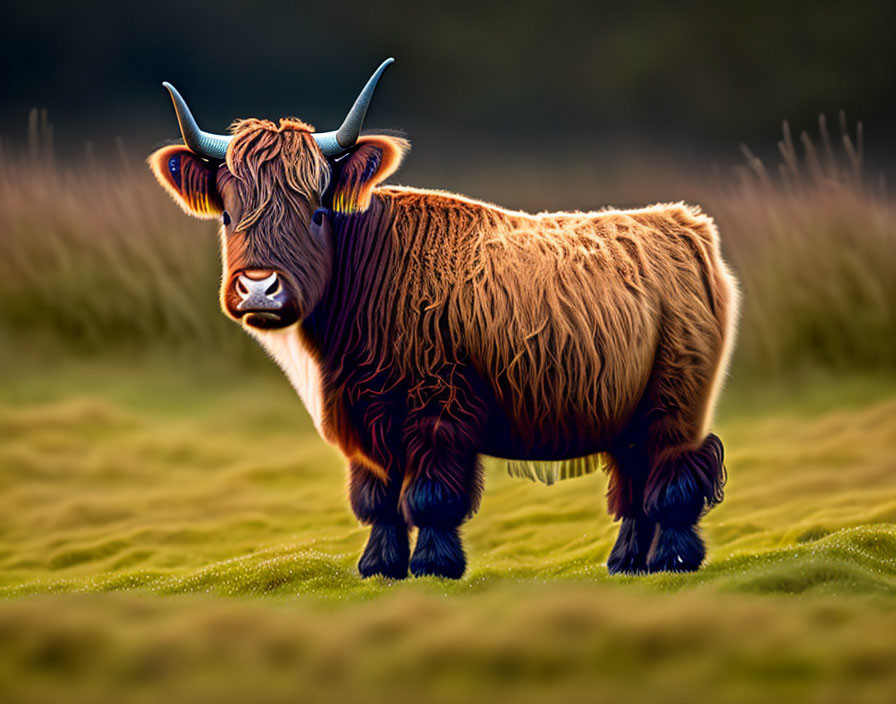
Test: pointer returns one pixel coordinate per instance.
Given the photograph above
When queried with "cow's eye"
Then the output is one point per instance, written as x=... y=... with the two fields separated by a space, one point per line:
x=225 y=218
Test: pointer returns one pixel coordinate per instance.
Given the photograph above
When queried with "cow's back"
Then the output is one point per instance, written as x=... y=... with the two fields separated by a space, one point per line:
x=560 y=313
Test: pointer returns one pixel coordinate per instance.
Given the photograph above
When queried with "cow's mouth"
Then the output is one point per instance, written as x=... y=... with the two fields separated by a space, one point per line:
x=269 y=320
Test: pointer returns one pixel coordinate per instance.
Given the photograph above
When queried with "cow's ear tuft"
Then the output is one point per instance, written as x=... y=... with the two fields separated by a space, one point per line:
x=373 y=159
x=189 y=179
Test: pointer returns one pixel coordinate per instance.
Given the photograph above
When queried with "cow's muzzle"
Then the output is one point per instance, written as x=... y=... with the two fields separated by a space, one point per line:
x=261 y=298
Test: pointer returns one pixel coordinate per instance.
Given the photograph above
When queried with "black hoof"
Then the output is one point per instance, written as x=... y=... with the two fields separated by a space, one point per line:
x=386 y=553
x=629 y=554
x=677 y=550
x=438 y=553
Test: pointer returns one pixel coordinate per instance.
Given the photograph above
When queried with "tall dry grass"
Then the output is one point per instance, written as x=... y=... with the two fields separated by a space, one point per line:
x=96 y=256
x=813 y=243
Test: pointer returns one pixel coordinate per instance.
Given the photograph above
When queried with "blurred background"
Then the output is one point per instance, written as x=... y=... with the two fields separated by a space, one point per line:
x=576 y=81
x=539 y=106
x=148 y=446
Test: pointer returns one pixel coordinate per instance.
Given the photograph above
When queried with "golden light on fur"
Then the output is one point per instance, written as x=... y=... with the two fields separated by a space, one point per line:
x=427 y=328
x=188 y=179
x=566 y=311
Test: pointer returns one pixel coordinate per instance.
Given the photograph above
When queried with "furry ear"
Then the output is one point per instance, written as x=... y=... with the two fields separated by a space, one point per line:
x=372 y=161
x=189 y=179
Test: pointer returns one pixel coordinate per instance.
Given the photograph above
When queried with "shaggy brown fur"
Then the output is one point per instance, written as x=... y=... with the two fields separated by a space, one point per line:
x=570 y=316
x=443 y=327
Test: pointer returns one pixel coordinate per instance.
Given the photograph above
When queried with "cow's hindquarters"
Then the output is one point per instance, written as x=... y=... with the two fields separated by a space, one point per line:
x=668 y=469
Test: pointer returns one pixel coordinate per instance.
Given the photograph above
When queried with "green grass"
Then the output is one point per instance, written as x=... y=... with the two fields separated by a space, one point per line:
x=183 y=532
x=194 y=481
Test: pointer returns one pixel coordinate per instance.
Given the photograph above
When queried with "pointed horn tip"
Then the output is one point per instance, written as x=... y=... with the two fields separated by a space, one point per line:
x=383 y=66
x=172 y=91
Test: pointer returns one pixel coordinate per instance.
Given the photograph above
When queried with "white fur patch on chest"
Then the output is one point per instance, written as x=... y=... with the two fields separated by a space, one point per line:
x=303 y=372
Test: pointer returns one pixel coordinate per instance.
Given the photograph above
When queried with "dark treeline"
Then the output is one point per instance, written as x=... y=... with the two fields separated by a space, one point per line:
x=685 y=75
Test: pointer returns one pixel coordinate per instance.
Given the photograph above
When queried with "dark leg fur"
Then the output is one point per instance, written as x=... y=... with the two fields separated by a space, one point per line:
x=444 y=490
x=676 y=549
x=629 y=554
x=625 y=500
x=678 y=492
x=438 y=511
x=375 y=503
x=387 y=551
x=438 y=552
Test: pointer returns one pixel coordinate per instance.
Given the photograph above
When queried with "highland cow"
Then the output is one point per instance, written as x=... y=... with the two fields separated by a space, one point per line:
x=423 y=329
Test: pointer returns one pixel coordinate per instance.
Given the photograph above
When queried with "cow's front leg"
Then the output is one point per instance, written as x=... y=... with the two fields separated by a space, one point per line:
x=375 y=503
x=444 y=489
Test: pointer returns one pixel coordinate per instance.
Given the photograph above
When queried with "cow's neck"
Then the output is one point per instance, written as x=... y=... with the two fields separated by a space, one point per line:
x=328 y=355
x=330 y=350
x=342 y=321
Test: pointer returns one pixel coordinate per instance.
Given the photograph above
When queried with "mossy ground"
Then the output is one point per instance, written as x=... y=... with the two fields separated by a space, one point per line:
x=136 y=494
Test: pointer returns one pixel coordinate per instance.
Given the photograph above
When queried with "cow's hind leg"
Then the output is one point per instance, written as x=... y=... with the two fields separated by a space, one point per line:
x=443 y=489
x=375 y=502
x=625 y=501
x=679 y=490
x=687 y=473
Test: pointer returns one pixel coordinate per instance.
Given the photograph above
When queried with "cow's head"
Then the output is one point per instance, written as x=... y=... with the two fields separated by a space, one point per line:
x=266 y=182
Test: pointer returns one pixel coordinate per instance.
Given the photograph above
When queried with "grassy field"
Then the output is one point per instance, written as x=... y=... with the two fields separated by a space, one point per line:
x=197 y=482
x=172 y=527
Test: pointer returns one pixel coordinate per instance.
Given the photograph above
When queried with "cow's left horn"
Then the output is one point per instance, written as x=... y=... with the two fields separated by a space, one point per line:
x=213 y=146
x=332 y=144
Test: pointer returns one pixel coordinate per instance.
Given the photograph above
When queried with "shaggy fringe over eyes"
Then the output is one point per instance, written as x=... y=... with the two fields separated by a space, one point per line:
x=279 y=174
x=274 y=162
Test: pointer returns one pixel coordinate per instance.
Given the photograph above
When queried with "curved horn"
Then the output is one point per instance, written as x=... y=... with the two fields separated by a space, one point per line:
x=332 y=144
x=213 y=146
